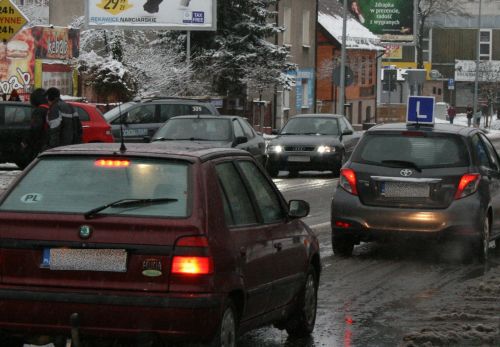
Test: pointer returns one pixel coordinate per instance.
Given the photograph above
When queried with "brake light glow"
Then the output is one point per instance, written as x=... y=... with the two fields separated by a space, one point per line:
x=468 y=185
x=348 y=181
x=112 y=163
x=182 y=265
x=343 y=225
x=413 y=133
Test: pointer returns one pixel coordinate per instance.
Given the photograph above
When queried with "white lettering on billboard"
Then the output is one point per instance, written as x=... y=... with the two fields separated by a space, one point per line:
x=465 y=71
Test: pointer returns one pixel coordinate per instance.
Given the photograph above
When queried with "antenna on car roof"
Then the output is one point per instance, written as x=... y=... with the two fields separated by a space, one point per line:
x=122 y=141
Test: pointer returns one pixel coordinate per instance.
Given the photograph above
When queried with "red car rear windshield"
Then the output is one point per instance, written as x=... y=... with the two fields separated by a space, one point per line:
x=80 y=184
x=430 y=151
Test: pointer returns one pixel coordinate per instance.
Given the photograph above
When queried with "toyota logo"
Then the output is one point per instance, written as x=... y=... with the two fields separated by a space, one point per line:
x=406 y=172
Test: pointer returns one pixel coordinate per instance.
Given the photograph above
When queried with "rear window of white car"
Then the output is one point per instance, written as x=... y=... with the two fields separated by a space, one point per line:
x=80 y=184
x=429 y=151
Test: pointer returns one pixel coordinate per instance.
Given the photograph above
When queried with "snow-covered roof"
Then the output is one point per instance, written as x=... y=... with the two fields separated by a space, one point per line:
x=358 y=37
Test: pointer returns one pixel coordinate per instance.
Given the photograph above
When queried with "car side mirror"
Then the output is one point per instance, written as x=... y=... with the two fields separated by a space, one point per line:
x=275 y=132
x=347 y=132
x=240 y=139
x=298 y=208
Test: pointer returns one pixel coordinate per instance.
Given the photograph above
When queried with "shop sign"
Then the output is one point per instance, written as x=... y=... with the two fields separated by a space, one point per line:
x=465 y=71
x=56 y=43
x=153 y=14
x=11 y=20
x=393 y=52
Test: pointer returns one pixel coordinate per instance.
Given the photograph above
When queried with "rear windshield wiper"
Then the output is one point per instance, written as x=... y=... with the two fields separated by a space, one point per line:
x=127 y=203
x=402 y=163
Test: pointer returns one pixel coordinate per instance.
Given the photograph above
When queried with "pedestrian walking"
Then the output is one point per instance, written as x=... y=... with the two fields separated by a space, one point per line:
x=477 y=118
x=14 y=96
x=451 y=113
x=65 y=127
x=36 y=139
x=468 y=112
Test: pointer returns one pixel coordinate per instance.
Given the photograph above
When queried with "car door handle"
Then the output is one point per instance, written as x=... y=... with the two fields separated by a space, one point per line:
x=278 y=246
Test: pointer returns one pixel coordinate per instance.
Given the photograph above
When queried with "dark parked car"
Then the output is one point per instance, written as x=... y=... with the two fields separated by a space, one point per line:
x=139 y=120
x=439 y=181
x=180 y=242
x=318 y=142
x=218 y=131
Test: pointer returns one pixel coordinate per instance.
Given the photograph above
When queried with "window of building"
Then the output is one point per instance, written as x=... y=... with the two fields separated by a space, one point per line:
x=287 y=23
x=363 y=70
x=485 y=44
x=306 y=18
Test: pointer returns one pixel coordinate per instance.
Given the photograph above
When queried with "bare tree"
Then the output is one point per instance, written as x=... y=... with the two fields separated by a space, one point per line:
x=427 y=8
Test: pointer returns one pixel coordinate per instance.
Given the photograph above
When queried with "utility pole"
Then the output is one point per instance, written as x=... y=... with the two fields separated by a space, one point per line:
x=343 y=59
x=478 y=51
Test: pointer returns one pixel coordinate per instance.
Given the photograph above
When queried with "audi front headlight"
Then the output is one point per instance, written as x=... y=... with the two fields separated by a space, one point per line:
x=326 y=149
x=275 y=149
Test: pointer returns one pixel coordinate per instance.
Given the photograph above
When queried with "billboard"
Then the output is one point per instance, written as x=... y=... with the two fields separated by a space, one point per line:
x=391 y=20
x=489 y=71
x=152 y=14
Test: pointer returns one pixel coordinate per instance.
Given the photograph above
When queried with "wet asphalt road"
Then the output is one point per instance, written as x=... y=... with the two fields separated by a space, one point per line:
x=401 y=294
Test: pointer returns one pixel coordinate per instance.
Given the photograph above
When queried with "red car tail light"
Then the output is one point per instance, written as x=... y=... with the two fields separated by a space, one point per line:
x=348 y=181
x=468 y=185
x=192 y=256
x=182 y=265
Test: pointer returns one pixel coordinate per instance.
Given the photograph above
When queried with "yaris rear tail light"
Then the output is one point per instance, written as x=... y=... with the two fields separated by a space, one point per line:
x=348 y=181
x=468 y=185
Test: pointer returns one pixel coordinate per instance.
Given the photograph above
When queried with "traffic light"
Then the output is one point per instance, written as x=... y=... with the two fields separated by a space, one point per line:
x=390 y=79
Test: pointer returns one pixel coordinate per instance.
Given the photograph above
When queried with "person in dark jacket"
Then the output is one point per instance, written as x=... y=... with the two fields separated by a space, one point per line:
x=65 y=127
x=36 y=139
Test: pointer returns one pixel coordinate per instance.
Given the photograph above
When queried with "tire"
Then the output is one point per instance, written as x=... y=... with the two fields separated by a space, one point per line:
x=482 y=246
x=226 y=334
x=342 y=246
x=293 y=173
x=272 y=171
x=301 y=322
x=338 y=166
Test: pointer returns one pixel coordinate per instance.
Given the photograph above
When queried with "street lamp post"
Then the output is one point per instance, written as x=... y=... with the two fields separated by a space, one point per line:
x=478 y=51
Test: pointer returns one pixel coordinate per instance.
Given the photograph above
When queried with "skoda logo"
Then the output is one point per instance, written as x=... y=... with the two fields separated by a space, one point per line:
x=406 y=172
x=85 y=231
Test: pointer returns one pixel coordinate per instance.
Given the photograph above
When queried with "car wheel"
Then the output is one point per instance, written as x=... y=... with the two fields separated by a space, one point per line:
x=301 y=321
x=338 y=166
x=342 y=246
x=293 y=173
x=226 y=334
x=484 y=241
x=273 y=171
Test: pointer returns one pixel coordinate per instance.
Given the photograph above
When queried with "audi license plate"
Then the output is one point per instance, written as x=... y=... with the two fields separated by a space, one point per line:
x=299 y=158
x=405 y=190
x=108 y=260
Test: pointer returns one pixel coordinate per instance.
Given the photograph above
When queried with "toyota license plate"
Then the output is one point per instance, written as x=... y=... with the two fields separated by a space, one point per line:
x=405 y=190
x=299 y=158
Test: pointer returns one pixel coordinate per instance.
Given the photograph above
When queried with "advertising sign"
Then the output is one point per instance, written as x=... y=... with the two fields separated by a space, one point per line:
x=11 y=20
x=465 y=71
x=393 y=52
x=153 y=14
x=391 y=20
x=18 y=56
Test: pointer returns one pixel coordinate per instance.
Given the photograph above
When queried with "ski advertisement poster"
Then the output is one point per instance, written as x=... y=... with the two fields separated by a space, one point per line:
x=152 y=14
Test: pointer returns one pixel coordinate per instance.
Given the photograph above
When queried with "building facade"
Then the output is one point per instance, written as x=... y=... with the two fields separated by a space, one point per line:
x=361 y=65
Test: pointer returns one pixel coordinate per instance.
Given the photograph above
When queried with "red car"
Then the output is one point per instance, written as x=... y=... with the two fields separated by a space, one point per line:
x=176 y=241
x=95 y=127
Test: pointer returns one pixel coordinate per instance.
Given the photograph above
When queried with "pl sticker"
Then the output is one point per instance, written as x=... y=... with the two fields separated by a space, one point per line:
x=31 y=198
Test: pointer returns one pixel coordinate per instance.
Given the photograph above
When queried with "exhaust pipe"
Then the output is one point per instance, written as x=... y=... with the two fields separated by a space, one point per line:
x=74 y=320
